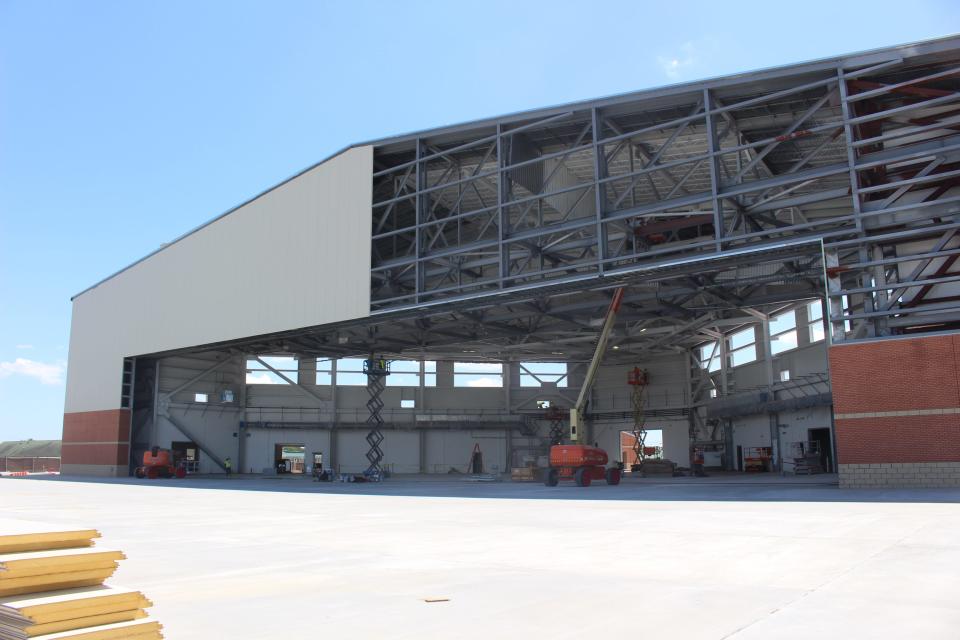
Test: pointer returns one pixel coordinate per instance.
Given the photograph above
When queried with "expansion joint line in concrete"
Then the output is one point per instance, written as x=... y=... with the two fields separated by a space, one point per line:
x=823 y=584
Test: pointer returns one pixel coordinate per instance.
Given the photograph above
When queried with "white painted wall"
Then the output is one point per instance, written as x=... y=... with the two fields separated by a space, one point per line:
x=259 y=446
x=667 y=386
x=299 y=255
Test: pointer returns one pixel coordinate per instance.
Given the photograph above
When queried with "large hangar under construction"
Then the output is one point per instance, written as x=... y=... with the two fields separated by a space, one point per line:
x=783 y=242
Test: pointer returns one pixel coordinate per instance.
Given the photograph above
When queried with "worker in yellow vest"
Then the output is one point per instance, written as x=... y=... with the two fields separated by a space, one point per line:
x=228 y=466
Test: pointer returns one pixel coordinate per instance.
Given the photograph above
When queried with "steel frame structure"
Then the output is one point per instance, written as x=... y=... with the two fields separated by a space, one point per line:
x=854 y=162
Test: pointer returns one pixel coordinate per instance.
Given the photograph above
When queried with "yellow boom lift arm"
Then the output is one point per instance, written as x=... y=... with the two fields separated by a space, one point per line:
x=577 y=419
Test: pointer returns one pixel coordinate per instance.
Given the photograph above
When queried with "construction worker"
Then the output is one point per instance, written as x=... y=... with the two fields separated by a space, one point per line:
x=228 y=466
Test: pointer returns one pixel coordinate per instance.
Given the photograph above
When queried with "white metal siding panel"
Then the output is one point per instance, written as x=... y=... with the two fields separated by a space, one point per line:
x=297 y=256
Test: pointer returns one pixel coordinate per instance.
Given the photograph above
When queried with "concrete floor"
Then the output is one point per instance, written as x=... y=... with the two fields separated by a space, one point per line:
x=687 y=558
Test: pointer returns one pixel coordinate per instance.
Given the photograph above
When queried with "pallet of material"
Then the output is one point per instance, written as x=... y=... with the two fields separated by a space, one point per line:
x=18 y=536
x=33 y=571
x=525 y=474
x=66 y=610
x=664 y=468
x=808 y=465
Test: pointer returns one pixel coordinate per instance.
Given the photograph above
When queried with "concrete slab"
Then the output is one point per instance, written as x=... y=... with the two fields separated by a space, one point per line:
x=705 y=558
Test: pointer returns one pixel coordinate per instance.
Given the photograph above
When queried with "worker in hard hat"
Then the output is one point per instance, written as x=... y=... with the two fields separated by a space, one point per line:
x=228 y=466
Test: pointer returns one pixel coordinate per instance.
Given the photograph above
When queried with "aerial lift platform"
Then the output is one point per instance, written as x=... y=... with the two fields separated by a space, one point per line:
x=579 y=462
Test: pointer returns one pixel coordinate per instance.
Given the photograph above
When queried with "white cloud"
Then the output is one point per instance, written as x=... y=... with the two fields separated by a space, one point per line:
x=262 y=377
x=24 y=346
x=483 y=367
x=51 y=374
x=677 y=64
x=485 y=382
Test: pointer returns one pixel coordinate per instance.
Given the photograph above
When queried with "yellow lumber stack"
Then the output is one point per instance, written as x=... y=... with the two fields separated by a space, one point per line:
x=51 y=588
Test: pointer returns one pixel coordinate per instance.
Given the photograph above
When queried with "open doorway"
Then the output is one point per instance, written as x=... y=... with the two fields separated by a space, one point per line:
x=822 y=437
x=652 y=449
x=185 y=454
x=289 y=458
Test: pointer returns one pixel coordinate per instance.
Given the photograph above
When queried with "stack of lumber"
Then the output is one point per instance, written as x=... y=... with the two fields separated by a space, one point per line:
x=51 y=588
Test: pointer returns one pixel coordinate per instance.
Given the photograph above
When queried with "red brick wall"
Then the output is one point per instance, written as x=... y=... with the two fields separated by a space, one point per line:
x=96 y=437
x=904 y=375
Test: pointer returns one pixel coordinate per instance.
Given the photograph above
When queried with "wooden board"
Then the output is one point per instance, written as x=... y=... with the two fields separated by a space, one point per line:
x=49 y=582
x=17 y=536
x=143 y=629
x=36 y=563
x=88 y=621
x=67 y=604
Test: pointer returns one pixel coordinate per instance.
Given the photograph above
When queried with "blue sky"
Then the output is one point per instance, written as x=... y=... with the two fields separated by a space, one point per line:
x=124 y=124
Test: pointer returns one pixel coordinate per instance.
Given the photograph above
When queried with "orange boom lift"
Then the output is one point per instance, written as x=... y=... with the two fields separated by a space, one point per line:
x=578 y=462
x=157 y=463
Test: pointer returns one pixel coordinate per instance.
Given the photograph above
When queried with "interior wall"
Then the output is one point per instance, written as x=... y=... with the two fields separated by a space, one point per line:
x=793 y=426
x=434 y=437
x=437 y=435
x=676 y=437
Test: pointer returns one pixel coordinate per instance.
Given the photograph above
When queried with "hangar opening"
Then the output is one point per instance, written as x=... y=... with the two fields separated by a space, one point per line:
x=781 y=246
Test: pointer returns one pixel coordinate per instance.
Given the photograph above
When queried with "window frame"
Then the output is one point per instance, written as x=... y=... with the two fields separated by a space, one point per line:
x=541 y=377
x=254 y=367
x=732 y=352
x=707 y=362
x=819 y=322
x=476 y=375
x=350 y=377
x=783 y=332
x=324 y=373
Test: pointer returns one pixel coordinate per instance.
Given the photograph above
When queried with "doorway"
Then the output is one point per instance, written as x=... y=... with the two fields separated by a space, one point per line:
x=186 y=454
x=822 y=437
x=289 y=458
x=652 y=450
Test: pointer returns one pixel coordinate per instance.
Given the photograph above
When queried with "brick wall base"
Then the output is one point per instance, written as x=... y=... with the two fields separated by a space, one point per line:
x=900 y=475
x=96 y=443
x=896 y=409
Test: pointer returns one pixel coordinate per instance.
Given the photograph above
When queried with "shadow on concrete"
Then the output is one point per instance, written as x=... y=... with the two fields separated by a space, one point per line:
x=751 y=488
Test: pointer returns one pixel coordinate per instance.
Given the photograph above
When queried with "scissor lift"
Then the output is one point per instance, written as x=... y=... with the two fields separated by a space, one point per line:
x=376 y=370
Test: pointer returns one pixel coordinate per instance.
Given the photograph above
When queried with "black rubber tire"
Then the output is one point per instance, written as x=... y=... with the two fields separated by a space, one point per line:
x=613 y=477
x=552 y=478
x=138 y=472
x=582 y=477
